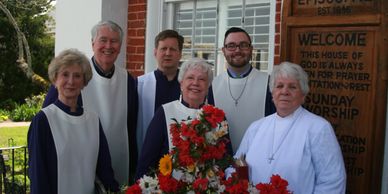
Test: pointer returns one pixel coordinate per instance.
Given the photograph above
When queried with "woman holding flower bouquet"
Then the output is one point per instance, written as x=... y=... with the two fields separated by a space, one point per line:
x=293 y=142
x=195 y=77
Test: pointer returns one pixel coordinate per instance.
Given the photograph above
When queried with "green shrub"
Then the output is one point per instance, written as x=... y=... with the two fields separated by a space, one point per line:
x=36 y=101
x=4 y=115
x=26 y=111
x=8 y=105
x=23 y=113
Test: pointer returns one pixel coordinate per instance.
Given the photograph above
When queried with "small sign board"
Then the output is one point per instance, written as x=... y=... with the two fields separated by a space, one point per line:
x=341 y=66
x=333 y=7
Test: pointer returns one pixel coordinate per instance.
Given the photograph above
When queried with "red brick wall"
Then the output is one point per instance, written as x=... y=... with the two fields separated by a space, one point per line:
x=136 y=36
x=277 y=31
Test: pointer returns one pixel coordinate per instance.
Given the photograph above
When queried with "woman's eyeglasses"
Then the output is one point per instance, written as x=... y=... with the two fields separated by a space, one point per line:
x=241 y=46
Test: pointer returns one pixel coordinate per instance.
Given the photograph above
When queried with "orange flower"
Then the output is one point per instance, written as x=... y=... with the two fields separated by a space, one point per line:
x=165 y=165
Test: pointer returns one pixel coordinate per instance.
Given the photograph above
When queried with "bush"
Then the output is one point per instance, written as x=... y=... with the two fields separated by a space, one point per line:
x=14 y=84
x=8 y=105
x=4 y=115
x=26 y=111
x=23 y=113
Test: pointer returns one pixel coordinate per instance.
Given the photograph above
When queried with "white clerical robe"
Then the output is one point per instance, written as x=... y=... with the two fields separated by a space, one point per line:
x=305 y=152
x=108 y=98
x=176 y=110
x=251 y=105
x=75 y=137
x=146 y=89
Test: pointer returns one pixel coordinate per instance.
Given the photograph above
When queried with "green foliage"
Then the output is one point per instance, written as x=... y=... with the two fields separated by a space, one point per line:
x=31 y=17
x=23 y=113
x=26 y=111
x=8 y=105
x=3 y=115
x=14 y=136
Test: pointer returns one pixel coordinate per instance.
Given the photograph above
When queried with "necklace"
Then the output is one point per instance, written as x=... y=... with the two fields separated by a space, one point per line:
x=272 y=153
x=242 y=91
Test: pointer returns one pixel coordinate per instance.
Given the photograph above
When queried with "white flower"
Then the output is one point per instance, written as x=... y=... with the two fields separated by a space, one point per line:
x=199 y=114
x=177 y=174
x=252 y=189
x=223 y=130
x=216 y=133
x=149 y=184
x=210 y=137
x=188 y=178
x=221 y=188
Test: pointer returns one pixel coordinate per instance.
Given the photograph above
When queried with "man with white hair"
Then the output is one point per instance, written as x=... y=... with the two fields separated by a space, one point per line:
x=110 y=88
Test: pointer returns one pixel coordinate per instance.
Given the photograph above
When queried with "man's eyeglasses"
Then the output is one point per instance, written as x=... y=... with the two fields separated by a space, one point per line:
x=241 y=46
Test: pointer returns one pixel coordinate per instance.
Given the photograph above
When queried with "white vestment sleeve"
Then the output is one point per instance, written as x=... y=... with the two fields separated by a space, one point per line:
x=248 y=137
x=327 y=158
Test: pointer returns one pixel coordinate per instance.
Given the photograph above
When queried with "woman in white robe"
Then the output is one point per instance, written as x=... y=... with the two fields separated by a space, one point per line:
x=194 y=77
x=296 y=144
x=66 y=144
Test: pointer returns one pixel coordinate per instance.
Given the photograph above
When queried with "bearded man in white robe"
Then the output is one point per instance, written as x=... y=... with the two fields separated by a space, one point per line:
x=242 y=91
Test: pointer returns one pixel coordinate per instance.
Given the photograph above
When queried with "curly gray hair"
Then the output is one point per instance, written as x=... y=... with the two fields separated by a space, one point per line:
x=196 y=63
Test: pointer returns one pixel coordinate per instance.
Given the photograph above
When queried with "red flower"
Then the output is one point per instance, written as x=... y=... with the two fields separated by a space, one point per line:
x=214 y=152
x=194 y=154
x=236 y=186
x=213 y=115
x=195 y=122
x=200 y=184
x=278 y=182
x=264 y=188
x=134 y=189
x=185 y=159
x=168 y=184
x=276 y=186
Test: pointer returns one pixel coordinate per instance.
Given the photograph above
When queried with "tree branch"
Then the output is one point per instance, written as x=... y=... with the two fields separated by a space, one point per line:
x=23 y=45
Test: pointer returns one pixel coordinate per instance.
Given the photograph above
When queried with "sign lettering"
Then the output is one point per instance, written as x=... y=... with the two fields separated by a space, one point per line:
x=333 y=7
x=340 y=68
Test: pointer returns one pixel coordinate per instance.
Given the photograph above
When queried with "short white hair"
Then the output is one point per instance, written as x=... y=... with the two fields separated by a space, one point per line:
x=196 y=63
x=290 y=70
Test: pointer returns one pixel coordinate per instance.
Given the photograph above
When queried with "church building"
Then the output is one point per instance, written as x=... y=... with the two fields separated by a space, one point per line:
x=341 y=44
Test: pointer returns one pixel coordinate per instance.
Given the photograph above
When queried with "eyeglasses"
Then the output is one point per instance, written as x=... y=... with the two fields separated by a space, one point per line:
x=241 y=46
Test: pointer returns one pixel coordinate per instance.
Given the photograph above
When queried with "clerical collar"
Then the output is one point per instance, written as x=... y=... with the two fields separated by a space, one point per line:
x=233 y=74
x=160 y=74
x=79 y=111
x=101 y=72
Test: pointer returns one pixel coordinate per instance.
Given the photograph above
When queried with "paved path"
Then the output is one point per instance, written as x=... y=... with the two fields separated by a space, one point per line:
x=14 y=124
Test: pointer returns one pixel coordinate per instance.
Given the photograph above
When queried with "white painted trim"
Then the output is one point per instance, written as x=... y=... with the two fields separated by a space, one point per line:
x=222 y=64
x=118 y=12
x=154 y=25
x=73 y=30
x=271 y=45
x=75 y=19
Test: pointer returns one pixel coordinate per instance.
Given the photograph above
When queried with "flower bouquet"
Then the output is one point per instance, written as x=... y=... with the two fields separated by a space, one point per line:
x=197 y=161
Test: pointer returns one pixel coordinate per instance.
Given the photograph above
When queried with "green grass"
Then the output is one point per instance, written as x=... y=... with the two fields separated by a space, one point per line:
x=18 y=134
